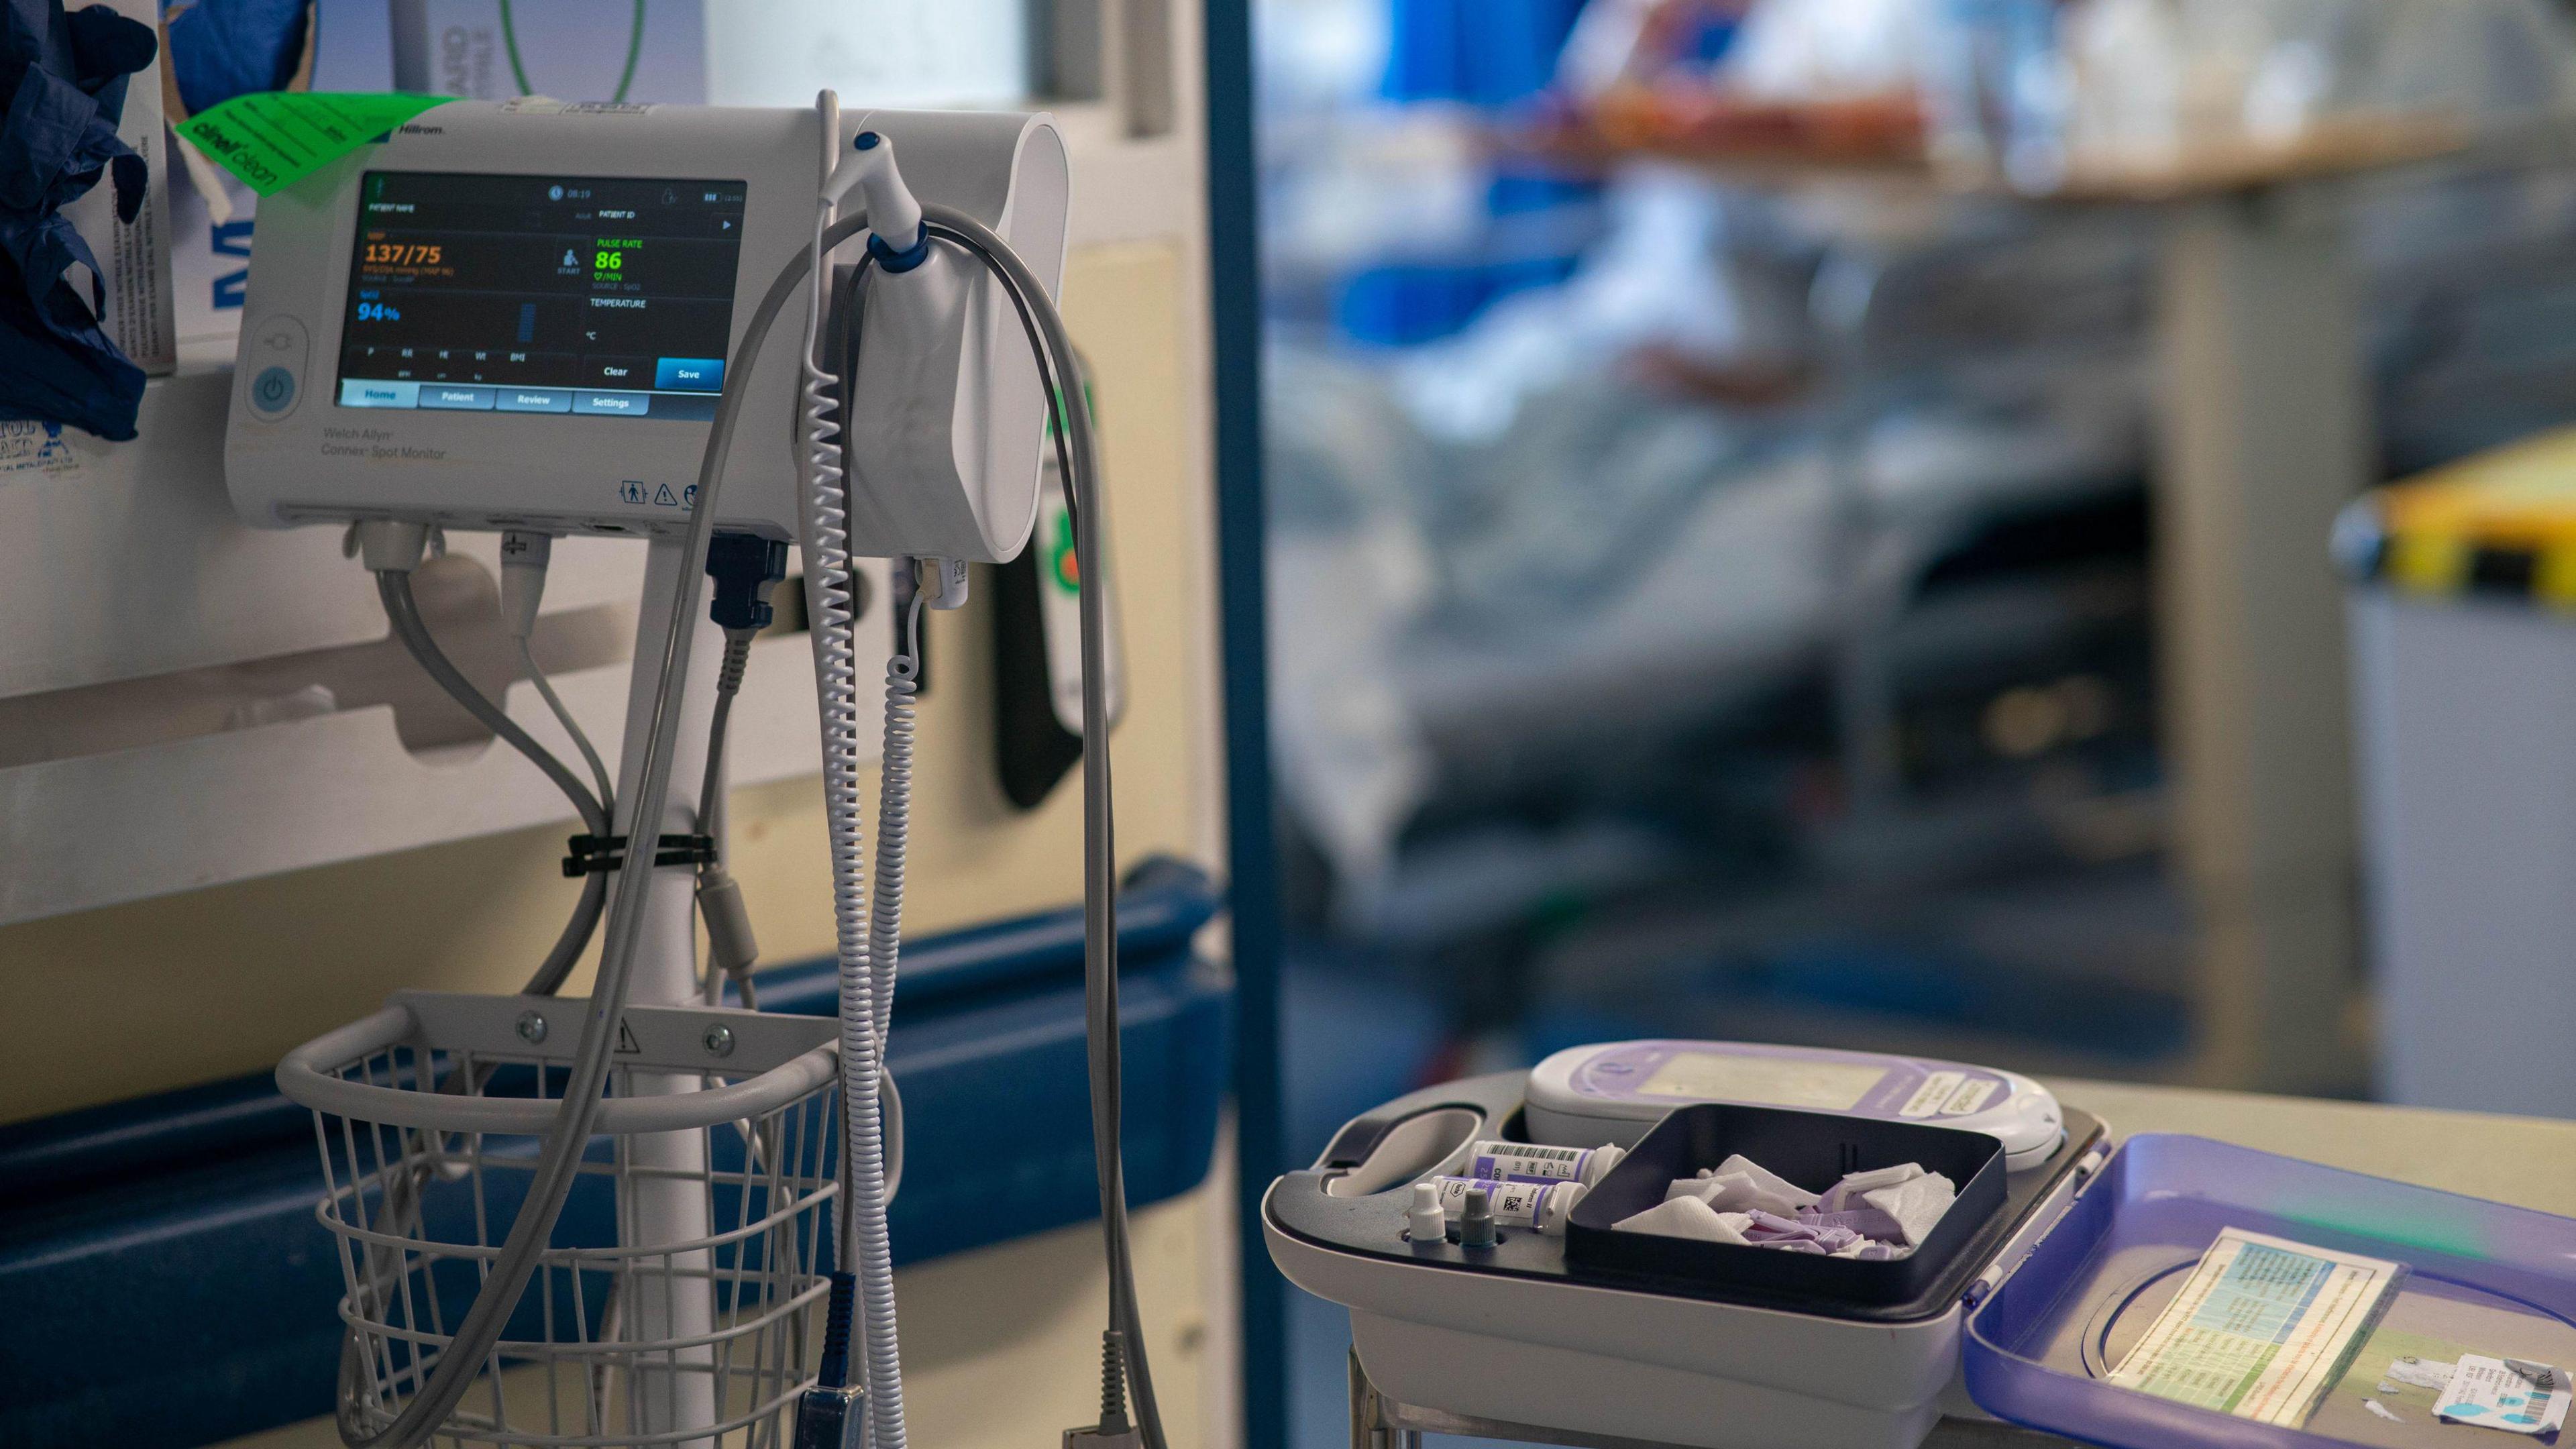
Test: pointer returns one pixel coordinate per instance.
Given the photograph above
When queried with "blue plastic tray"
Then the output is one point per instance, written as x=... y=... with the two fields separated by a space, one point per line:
x=2486 y=1279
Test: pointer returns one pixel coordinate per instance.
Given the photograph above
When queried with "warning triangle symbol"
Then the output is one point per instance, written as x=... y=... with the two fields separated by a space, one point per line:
x=666 y=497
x=626 y=1042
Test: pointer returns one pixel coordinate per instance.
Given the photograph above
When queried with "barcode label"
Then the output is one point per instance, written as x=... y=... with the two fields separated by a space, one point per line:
x=1927 y=1098
x=1518 y=1162
x=1512 y=1202
x=1971 y=1097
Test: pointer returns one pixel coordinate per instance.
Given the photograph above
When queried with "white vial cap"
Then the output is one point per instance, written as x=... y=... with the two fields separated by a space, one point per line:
x=1429 y=1223
x=1598 y=1167
x=1556 y=1205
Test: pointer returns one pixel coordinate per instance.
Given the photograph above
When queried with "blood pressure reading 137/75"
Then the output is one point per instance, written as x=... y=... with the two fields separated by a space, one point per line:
x=600 y=296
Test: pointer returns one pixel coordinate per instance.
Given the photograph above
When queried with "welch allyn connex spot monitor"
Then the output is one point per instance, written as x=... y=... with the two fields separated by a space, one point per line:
x=1612 y=1092
x=520 y=315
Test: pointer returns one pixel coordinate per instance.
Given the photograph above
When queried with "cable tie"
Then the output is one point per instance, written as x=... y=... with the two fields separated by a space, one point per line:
x=595 y=854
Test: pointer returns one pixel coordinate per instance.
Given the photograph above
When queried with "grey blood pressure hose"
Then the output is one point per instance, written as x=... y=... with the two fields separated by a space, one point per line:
x=559 y=1156
x=403 y=1192
x=402 y=610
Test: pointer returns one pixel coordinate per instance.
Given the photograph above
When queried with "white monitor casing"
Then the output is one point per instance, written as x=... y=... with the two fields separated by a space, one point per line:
x=977 y=412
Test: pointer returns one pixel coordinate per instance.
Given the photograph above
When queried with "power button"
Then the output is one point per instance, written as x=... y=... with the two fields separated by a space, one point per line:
x=274 y=354
x=273 y=391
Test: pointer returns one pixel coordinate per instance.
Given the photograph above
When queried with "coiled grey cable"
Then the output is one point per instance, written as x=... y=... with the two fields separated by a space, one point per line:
x=894 y=812
x=865 y=1248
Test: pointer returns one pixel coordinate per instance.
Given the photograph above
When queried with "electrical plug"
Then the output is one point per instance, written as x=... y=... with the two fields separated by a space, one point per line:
x=833 y=1413
x=947 y=577
x=524 y=556
x=832 y=1418
x=731 y=949
x=744 y=566
x=392 y=545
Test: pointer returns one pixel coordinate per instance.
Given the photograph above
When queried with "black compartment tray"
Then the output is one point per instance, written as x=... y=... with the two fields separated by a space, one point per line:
x=1813 y=1150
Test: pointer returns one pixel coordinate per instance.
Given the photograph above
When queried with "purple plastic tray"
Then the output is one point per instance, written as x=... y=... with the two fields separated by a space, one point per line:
x=2486 y=1278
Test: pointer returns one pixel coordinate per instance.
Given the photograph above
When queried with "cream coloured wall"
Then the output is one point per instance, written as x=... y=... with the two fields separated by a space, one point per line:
x=221 y=982
x=1000 y=1345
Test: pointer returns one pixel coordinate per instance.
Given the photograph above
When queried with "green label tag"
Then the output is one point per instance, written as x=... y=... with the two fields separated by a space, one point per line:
x=271 y=139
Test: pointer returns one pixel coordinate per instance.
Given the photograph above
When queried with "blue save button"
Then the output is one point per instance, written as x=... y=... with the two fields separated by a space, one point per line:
x=689 y=374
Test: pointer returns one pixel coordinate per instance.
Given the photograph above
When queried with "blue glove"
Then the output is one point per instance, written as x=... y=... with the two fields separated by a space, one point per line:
x=65 y=76
x=220 y=49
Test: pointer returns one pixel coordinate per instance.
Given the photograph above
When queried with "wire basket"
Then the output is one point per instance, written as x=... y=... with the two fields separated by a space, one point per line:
x=670 y=1304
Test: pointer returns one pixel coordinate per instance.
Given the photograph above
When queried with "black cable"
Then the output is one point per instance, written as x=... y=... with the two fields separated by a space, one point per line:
x=1059 y=373
x=1058 y=379
x=737 y=656
x=1058 y=376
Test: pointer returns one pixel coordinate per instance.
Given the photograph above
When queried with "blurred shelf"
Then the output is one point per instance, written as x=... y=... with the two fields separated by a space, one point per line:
x=2342 y=148
x=1881 y=143
x=1754 y=142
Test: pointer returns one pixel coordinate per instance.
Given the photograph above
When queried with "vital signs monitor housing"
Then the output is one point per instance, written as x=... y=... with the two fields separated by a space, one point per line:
x=520 y=315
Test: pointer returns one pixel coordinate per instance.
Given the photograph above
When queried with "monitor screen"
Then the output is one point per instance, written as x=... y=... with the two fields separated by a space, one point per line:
x=579 y=296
